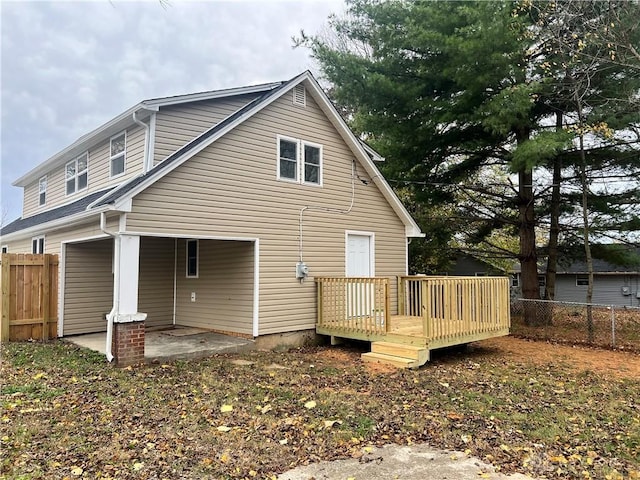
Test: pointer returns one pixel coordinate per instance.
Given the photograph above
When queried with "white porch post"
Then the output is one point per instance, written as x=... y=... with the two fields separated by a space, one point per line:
x=126 y=289
x=128 y=323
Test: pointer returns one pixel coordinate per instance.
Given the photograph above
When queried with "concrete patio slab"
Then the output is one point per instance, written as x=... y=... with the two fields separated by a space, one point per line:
x=179 y=343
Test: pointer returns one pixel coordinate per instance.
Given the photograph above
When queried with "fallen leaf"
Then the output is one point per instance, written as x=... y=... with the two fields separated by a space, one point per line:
x=76 y=471
x=310 y=404
x=223 y=428
x=138 y=466
x=226 y=408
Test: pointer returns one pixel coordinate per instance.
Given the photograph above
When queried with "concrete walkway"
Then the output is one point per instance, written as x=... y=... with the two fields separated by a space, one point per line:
x=179 y=343
x=402 y=462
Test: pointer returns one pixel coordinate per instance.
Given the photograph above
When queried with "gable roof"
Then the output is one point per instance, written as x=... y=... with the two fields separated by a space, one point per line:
x=128 y=190
x=120 y=196
x=119 y=123
x=54 y=214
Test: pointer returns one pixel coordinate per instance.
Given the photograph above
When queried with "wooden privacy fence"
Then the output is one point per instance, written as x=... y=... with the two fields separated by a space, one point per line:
x=354 y=304
x=29 y=286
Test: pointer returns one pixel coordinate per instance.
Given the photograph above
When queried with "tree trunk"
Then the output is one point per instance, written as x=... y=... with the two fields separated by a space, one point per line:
x=528 y=257
x=554 y=230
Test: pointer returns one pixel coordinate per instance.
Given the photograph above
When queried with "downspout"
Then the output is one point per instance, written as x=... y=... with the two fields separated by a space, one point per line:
x=116 y=284
x=145 y=163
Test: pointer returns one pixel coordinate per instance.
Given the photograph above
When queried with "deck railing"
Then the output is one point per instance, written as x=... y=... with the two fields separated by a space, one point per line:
x=451 y=307
x=354 y=304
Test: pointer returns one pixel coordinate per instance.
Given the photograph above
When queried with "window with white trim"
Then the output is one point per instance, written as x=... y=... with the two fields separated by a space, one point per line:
x=542 y=280
x=299 y=161
x=192 y=258
x=42 y=191
x=118 y=154
x=37 y=244
x=515 y=280
x=5 y=249
x=582 y=280
x=77 y=174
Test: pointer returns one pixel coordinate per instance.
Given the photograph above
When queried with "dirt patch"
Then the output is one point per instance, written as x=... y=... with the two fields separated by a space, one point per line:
x=580 y=358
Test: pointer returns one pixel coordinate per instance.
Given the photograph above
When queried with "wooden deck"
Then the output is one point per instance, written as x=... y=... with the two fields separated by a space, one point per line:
x=432 y=312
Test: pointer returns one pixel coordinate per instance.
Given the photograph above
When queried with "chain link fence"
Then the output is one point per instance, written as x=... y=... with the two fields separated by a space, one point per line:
x=611 y=326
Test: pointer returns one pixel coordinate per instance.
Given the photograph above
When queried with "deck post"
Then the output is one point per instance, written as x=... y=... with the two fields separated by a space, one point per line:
x=401 y=296
x=320 y=294
x=45 y=292
x=5 y=282
x=387 y=306
x=426 y=307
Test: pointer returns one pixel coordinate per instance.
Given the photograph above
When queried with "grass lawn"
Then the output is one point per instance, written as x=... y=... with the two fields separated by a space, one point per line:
x=66 y=413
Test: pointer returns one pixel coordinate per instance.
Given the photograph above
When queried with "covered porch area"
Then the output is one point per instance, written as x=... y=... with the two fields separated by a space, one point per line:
x=136 y=292
x=432 y=312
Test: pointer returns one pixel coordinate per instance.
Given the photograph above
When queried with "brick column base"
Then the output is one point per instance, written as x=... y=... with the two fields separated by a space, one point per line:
x=128 y=343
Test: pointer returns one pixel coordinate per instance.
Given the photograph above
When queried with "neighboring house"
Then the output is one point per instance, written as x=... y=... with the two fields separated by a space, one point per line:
x=612 y=284
x=206 y=210
x=468 y=265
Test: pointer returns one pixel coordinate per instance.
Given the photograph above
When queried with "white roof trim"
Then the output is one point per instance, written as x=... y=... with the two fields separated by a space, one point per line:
x=124 y=120
x=411 y=227
x=376 y=157
x=52 y=225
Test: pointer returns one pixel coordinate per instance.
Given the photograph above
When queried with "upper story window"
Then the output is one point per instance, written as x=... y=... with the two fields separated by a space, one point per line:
x=42 y=191
x=299 y=161
x=118 y=154
x=5 y=249
x=37 y=244
x=76 y=174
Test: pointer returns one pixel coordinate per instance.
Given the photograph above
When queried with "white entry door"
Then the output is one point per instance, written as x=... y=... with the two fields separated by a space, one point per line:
x=360 y=301
x=359 y=262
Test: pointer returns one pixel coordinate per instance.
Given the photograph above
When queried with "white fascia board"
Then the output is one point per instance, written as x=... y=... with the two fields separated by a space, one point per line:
x=47 y=227
x=411 y=227
x=84 y=143
x=210 y=95
x=376 y=157
x=198 y=148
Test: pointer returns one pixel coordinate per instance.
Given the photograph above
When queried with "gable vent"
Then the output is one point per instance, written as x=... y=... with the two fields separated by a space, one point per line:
x=299 y=95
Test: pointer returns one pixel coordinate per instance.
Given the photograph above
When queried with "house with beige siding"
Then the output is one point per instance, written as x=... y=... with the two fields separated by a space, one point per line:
x=214 y=210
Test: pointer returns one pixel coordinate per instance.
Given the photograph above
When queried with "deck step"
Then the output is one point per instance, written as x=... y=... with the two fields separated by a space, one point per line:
x=397 y=350
x=400 y=362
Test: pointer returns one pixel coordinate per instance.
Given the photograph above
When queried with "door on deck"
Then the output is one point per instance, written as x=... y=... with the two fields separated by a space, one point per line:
x=359 y=263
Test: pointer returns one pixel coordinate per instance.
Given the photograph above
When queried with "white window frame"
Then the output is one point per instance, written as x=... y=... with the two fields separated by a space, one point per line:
x=122 y=154
x=583 y=278
x=300 y=161
x=42 y=191
x=5 y=249
x=297 y=144
x=515 y=280
x=37 y=244
x=542 y=280
x=197 y=242
x=77 y=174
x=303 y=163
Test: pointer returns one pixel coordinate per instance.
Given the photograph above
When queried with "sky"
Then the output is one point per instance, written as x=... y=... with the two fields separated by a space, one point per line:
x=68 y=67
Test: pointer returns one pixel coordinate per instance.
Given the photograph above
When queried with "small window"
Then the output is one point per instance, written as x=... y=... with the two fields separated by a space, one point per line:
x=312 y=163
x=582 y=280
x=192 y=258
x=5 y=249
x=42 y=191
x=299 y=95
x=542 y=281
x=76 y=174
x=37 y=245
x=118 y=154
x=299 y=161
x=515 y=281
x=287 y=159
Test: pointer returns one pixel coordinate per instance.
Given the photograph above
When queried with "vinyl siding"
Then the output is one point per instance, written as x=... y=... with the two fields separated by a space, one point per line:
x=230 y=190
x=224 y=287
x=607 y=289
x=98 y=174
x=88 y=285
x=155 y=282
x=177 y=125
